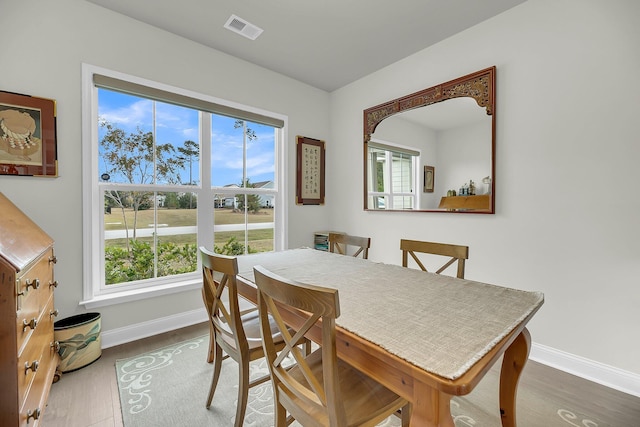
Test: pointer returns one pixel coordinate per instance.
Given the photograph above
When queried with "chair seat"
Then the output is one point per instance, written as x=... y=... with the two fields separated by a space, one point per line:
x=251 y=325
x=361 y=394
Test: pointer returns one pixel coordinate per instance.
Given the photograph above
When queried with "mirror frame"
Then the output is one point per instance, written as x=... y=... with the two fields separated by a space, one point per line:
x=479 y=86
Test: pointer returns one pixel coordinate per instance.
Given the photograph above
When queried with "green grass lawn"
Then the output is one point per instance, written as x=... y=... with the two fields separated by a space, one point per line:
x=259 y=240
x=180 y=217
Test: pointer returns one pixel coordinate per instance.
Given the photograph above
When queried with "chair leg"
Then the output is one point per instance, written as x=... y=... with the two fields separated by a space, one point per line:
x=212 y=341
x=406 y=415
x=280 y=414
x=217 y=367
x=243 y=392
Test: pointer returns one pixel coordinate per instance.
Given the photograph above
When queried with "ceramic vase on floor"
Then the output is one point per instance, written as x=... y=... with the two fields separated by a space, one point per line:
x=80 y=340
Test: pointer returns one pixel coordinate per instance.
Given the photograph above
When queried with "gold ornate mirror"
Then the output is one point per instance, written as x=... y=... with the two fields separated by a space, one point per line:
x=433 y=150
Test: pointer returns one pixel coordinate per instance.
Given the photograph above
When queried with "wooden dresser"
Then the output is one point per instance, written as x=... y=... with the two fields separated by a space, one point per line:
x=28 y=351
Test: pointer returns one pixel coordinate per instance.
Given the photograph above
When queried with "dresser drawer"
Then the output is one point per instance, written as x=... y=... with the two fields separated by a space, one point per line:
x=33 y=283
x=36 y=399
x=37 y=352
x=34 y=292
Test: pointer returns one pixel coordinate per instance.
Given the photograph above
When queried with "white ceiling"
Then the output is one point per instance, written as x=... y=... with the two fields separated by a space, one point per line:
x=324 y=43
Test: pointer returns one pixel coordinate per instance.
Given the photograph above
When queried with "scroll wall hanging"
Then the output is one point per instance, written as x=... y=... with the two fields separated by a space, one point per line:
x=310 y=158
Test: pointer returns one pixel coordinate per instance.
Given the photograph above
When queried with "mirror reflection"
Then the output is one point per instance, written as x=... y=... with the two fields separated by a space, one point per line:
x=433 y=150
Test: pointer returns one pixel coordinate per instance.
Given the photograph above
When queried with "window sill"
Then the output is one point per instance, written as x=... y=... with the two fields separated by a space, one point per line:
x=140 y=294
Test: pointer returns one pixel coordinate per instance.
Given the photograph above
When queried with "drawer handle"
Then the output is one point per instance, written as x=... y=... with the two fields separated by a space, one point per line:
x=53 y=259
x=54 y=283
x=56 y=346
x=54 y=313
x=33 y=414
x=35 y=284
x=32 y=324
x=33 y=366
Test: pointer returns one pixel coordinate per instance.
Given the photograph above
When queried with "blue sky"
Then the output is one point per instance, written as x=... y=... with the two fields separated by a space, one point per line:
x=175 y=125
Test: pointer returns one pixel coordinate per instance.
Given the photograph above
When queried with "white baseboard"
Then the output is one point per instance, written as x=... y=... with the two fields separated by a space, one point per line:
x=624 y=381
x=152 y=327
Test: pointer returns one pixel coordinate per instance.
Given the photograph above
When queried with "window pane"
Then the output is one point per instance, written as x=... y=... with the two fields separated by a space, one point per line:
x=176 y=234
x=377 y=168
x=125 y=138
x=260 y=155
x=145 y=238
x=227 y=152
x=229 y=137
x=403 y=202
x=229 y=228
x=261 y=226
x=402 y=175
x=127 y=243
x=248 y=228
x=177 y=144
x=261 y=240
x=378 y=202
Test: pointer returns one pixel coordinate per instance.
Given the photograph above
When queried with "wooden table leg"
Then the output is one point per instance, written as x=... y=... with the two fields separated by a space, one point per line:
x=430 y=408
x=513 y=362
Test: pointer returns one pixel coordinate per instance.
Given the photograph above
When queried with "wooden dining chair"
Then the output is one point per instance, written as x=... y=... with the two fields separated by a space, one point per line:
x=320 y=389
x=234 y=332
x=456 y=252
x=344 y=243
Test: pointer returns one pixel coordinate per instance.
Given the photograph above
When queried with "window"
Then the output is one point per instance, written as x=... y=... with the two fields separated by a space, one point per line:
x=167 y=171
x=392 y=176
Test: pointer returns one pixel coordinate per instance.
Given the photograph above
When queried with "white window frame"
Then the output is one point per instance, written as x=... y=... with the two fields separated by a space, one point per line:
x=94 y=295
x=388 y=174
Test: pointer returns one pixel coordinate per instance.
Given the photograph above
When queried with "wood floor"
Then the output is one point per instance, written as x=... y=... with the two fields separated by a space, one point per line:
x=89 y=396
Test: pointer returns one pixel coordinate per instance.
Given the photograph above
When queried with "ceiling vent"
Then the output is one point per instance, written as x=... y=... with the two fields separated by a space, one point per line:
x=242 y=27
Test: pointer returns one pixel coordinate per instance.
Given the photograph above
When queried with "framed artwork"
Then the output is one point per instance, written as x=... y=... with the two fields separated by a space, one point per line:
x=310 y=157
x=429 y=177
x=27 y=135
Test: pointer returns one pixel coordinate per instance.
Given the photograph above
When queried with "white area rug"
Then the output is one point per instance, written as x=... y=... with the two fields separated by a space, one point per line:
x=169 y=387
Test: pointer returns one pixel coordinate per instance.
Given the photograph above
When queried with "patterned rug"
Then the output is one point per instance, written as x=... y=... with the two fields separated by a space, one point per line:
x=169 y=387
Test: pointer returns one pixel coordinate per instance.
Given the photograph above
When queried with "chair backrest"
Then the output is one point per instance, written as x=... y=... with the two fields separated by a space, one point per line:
x=456 y=252
x=219 y=280
x=340 y=243
x=302 y=395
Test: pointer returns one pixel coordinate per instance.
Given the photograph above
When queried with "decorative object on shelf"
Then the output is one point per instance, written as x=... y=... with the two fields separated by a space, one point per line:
x=310 y=160
x=429 y=178
x=467 y=189
x=487 y=181
x=27 y=135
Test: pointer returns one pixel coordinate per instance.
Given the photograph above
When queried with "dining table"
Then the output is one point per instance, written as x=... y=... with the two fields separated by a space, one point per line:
x=427 y=337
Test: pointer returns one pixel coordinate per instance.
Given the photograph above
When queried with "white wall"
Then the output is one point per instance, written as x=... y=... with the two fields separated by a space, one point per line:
x=45 y=43
x=464 y=154
x=567 y=214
